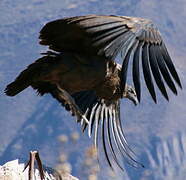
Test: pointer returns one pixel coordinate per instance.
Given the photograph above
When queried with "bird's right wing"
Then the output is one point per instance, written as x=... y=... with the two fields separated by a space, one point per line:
x=137 y=39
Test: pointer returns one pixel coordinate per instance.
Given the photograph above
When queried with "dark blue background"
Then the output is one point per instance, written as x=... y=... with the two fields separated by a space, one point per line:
x=28 y=122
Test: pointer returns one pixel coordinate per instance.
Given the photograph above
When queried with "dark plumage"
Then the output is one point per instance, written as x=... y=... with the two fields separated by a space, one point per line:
x=82 y=75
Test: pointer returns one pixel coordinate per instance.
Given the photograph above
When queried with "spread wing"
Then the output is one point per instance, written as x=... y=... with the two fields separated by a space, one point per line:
x=105 y=126
x=136 y=39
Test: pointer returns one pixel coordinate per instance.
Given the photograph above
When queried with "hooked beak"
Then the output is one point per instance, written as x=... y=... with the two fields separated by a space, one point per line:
x=134 y=99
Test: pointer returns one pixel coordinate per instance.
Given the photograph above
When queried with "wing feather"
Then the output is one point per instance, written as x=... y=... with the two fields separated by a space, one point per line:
x=97 y=118
x=91 y=120
x=97 y=35
x=125 y=65
x=155 y=71
x=103 y=136
x=164 y=71
x=136 y=71
x=110 y=139
x=146 y=71
x=169 y=63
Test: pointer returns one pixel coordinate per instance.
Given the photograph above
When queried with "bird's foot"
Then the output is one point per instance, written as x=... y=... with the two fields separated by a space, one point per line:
x=74 y=107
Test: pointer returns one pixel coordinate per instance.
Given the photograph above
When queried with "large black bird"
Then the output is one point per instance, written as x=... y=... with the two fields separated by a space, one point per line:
x=80 y=72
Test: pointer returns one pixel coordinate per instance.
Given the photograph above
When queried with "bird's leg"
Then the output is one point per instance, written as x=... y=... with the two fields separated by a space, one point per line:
x=68 y=98
x=34 y=155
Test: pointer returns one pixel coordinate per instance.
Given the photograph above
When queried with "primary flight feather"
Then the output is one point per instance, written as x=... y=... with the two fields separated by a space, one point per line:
x=81 y=73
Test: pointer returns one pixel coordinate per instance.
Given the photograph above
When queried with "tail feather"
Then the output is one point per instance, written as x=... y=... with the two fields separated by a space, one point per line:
x=31 y=74
x=16 y=87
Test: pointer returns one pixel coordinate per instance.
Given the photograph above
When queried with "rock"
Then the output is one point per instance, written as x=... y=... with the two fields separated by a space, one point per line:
x=13 y=170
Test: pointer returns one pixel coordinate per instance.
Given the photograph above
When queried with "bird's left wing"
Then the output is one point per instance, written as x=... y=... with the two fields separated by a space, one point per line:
x=135 y=38
x=105 y=124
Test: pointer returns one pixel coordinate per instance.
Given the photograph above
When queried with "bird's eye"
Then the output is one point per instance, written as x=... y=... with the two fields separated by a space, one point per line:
x=132 y=91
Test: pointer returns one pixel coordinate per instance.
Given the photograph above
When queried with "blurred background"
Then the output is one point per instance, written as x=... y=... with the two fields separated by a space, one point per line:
x=28 y=122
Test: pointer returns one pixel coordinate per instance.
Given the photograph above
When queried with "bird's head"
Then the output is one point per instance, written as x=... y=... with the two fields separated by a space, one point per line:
x=130 y=93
